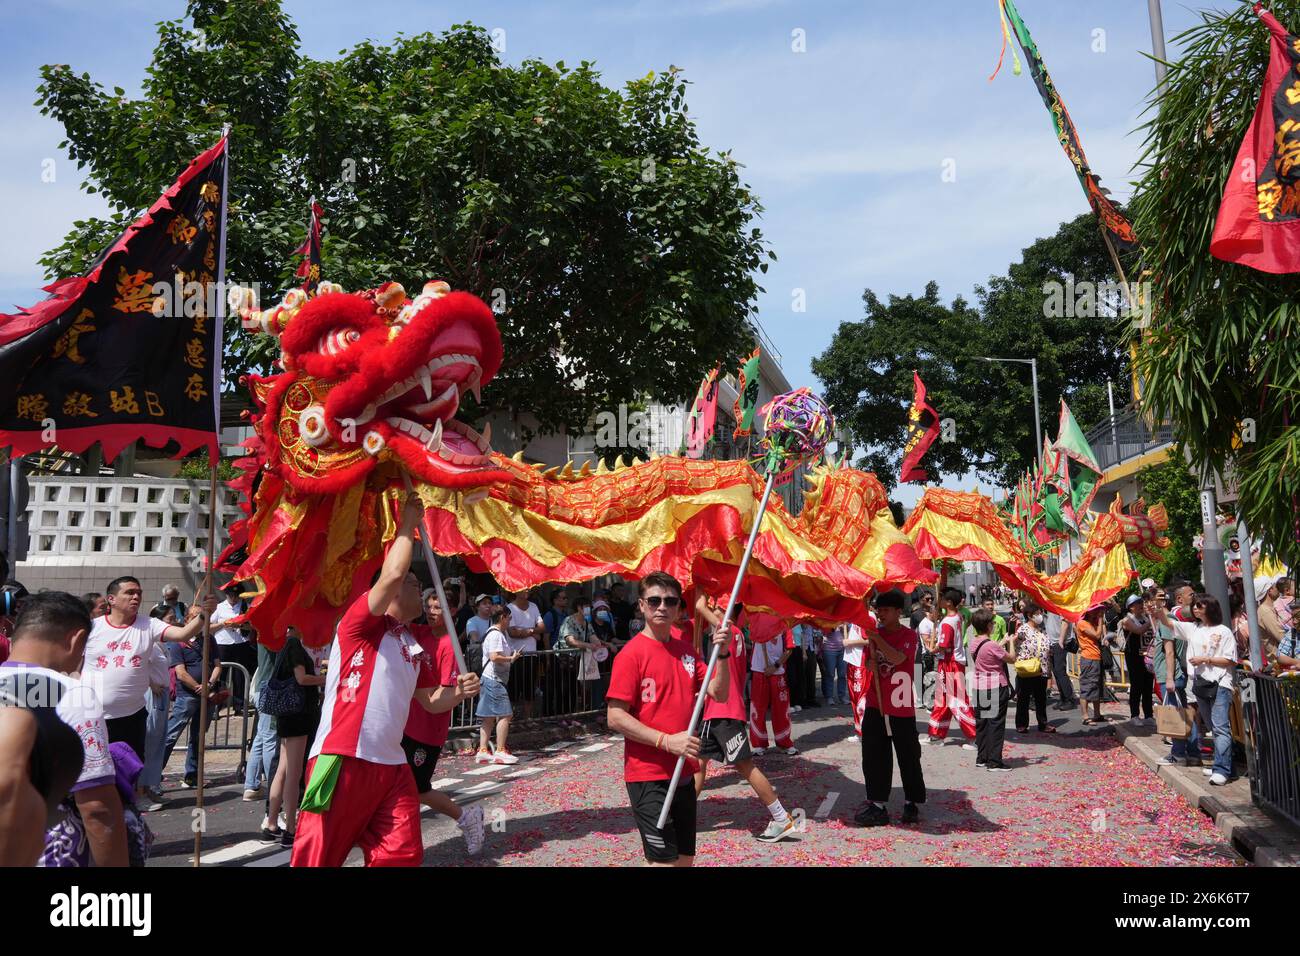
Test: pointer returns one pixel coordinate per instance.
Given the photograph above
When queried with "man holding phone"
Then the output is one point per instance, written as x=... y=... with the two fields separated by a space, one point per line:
x=651 y=698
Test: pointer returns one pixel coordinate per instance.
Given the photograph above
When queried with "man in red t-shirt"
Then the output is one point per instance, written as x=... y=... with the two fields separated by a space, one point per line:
x=651 y=698
x=426 y=731
x=724 y=733
x=360 y=791
x=894 y=649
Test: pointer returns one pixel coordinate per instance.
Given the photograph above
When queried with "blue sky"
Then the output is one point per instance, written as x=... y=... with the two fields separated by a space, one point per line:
x=846 y=143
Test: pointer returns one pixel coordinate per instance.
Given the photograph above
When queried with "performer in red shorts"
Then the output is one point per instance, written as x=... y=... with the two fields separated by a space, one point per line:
x=360 y=791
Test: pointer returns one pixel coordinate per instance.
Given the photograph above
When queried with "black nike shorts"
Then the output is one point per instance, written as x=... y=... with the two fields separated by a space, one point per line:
x=422 y=758
x=678 y=837
x=726 y=740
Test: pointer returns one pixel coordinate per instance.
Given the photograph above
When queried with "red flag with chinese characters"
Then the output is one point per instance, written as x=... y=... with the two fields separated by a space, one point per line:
x=704 y=414
x=309 y=269
x=130 y=351
x=922 y=430
x=1259 y=219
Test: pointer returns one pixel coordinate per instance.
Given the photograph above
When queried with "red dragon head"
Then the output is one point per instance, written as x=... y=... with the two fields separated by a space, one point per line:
x=372 y=376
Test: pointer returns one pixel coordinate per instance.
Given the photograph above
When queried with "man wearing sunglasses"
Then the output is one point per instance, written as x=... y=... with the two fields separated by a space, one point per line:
x=651 y=696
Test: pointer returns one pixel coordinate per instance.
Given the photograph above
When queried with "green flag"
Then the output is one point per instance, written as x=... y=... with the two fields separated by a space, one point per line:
x=746 y=395
x=1052 y=511
x=1071 y=442
x=1081 y=468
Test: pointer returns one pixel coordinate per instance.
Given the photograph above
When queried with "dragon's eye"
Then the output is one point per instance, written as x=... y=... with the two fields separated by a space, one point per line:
x=336 y=341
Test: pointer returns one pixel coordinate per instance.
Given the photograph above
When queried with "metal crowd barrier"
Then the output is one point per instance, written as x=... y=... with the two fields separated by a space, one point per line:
x=1272 y=731
x=220 y=724
x=542 y=685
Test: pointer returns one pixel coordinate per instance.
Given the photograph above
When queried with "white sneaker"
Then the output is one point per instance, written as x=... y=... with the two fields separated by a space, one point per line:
x=795 y=709
x=1217 y=780
x=505 y=757
x=969 y=747
x=1207 y=770
x=758 y=751
x=924 y=738
x=792 y=750
x=483 y=756
x=252 y=793
x=934 y=741
x=778 y=831
x=471 y=828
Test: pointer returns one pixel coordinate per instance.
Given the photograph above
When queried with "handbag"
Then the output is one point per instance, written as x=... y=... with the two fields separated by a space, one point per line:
x=1029 y=667
x=1175 y=721
x=1203 y=687
x=282 y=696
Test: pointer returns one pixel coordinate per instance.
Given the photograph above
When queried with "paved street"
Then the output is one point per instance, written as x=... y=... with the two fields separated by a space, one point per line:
x=1073 y=798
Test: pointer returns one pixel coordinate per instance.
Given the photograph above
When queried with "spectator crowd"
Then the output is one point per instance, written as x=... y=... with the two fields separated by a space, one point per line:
x=120 y=687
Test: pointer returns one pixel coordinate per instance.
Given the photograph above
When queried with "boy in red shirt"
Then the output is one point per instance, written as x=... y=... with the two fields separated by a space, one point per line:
x=651 y=698
x=360 y=790
x=426 y=732
x=723 y=735
x=950 y=697
x=894 y=649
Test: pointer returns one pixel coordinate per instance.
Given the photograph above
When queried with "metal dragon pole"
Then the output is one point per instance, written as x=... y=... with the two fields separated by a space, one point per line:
x=713 y=654
x=429 y=558
x=214 y=512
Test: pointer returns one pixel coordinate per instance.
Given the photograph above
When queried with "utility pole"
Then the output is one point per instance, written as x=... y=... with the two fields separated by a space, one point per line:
x=1213 y=573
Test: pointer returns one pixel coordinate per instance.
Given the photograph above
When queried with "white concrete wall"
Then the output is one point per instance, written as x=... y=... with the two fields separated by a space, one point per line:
x=86 y=531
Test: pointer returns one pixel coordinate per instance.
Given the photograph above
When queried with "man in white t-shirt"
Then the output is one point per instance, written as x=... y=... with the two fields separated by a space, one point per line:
x=233 y=645
x=117 y=657
x=49 y=641
x=526 y=627
x=526 y=622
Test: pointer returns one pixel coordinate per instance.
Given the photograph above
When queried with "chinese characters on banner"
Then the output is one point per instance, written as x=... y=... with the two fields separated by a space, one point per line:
x=131 y=350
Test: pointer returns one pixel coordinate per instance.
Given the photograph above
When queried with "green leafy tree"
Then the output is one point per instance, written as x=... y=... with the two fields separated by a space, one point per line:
x=616 y=249
x=1172 y=484
x=1037 y=309
x=1219 y=357
x=197 y=467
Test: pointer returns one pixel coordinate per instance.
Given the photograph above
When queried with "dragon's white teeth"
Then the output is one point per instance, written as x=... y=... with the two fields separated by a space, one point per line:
x=485 y=440
x=435 y=436
x=366 y=414
x=426 y=382
x=476 y=389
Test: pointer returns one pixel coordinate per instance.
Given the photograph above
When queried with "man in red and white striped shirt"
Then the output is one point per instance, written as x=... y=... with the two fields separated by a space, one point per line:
x=361 y=791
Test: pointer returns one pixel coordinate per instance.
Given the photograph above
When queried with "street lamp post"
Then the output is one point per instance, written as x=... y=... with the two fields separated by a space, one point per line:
x=1033 y=371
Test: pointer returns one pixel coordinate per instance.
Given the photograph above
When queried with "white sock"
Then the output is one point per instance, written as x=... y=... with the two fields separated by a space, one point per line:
x=778 y=812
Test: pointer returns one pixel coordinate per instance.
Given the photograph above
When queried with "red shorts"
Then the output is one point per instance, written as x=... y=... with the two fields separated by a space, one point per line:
x=375 y=807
